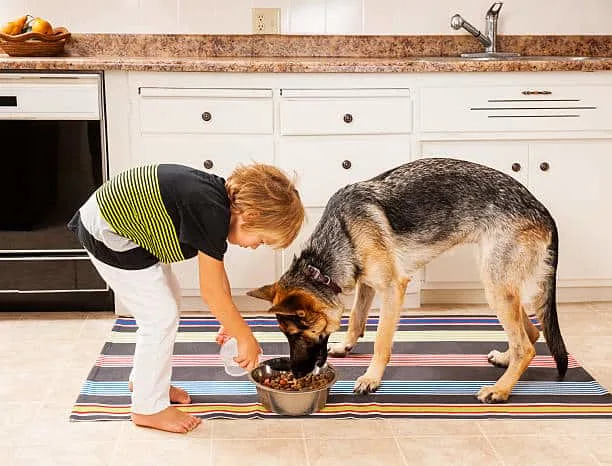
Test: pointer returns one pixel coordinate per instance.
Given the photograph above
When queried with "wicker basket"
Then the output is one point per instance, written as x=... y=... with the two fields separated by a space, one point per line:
x=34 y=44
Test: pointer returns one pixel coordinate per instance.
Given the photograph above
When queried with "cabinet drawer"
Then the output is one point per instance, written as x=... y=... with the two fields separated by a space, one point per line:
x=514 y=108
x=358 y=111
x=214 y=154
x=207 y=111
x=323 y=166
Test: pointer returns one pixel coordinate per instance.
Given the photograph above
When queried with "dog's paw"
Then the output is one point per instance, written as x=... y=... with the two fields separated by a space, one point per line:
x=365 y=385
x=338 y=350
x=499 y=359
x=492 y=394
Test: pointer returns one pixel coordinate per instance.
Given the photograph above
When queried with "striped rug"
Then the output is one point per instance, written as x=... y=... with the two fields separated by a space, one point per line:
x=438 y=364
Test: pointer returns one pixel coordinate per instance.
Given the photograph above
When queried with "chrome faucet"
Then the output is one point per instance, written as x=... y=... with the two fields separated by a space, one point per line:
x=489 y=38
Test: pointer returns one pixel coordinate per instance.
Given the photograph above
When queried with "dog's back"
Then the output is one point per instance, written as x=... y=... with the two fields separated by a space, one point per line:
x=446 y=200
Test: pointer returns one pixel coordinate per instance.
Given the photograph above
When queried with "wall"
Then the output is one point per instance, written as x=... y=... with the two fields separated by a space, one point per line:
x=315 y=16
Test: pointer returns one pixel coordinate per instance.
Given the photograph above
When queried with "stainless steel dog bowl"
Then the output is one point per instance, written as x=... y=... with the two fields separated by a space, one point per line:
x=286 y=402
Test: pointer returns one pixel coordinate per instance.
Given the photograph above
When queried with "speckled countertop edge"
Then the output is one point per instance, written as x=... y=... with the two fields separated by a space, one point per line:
x=325 y=54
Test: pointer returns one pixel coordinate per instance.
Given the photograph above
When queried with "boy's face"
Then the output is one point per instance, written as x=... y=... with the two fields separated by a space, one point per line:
x=238 y=236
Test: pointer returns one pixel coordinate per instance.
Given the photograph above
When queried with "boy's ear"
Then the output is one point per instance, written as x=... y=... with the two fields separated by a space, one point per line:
x=266 y=292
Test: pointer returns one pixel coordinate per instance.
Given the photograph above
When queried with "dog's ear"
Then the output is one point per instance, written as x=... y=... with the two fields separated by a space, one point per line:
x=280 y=309
x=266 y=292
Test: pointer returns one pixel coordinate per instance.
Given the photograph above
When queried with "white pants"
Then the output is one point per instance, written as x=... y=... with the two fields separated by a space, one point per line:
x=152 y=295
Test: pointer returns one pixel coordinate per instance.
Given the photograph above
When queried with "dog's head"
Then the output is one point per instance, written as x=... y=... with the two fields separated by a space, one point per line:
x=306 y=318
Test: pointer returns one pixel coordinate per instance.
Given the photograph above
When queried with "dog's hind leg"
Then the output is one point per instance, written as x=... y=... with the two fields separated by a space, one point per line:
x=520 y=349
x=391 y=306
x=364 y=295
x=509 y=260
x=499 y=359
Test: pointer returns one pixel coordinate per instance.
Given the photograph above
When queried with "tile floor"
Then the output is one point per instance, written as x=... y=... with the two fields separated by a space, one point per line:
x=46 y=356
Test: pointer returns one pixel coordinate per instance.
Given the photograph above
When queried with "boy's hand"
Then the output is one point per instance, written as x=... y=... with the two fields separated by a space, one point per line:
x=248 y=352
x=222 y=336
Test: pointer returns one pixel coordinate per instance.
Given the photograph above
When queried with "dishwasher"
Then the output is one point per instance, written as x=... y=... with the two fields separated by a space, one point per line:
x=53 y=137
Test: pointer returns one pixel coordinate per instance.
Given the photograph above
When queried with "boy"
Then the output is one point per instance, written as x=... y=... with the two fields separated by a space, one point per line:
x=141 y=220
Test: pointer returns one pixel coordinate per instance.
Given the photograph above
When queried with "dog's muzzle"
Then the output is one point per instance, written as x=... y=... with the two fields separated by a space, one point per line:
x=305 y=354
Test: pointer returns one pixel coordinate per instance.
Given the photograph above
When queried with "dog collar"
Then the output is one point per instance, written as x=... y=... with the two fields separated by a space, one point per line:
x=317 y=276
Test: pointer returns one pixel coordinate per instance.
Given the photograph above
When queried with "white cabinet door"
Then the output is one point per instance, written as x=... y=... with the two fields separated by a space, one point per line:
x=457 y=267
x=572 y=179
x=326 y=164
x=246 y=268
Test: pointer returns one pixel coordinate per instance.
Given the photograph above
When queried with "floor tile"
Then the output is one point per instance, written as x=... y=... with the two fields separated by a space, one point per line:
x=257 y=429
x=279 y=452
x=600 y=447
x=544 y=427
x=421 y=427
x=62 y=453
x=443 y=450
x=353 y=452
x=174 y=450
x=347 y=428
x=588 y=323
x=542 y=450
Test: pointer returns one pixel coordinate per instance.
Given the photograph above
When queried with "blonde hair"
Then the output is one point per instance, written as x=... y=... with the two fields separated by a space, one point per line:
x=270 y=201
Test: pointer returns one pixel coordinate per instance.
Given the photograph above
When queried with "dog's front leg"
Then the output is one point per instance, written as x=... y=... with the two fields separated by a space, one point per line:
x=391 y=306
x=364 y=295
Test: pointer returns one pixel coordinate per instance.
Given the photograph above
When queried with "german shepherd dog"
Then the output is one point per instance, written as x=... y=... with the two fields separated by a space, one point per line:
x=375 y=234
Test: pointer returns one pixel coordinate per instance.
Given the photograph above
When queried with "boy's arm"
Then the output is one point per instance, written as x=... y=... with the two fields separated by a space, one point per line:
x=216 y=292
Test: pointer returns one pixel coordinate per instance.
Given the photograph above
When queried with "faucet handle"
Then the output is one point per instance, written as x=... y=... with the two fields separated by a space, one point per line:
x=494 y=9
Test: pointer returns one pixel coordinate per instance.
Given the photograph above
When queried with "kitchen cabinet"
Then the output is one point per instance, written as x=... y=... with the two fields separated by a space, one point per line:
x=569 y=178
x=572 y=179
x=334 y=129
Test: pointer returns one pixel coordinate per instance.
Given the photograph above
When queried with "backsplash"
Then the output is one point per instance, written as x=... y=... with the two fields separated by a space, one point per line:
x=532 y=17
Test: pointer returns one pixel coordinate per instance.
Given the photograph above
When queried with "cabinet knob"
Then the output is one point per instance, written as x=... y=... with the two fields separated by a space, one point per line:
x=516 y=167
x=206 y=116
x=544 y=166
x=208 y=164
x=348 y=117
x=347 y=164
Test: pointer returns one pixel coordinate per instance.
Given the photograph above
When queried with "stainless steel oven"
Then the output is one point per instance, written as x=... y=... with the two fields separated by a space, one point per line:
x=53 y=146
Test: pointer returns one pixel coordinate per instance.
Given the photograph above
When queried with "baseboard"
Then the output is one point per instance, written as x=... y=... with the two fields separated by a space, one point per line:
x=564 y=295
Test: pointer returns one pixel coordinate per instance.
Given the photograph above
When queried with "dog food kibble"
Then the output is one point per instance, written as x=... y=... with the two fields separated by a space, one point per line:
x=286 y=381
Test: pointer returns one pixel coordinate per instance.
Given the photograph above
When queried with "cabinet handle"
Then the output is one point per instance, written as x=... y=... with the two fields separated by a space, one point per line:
x=544 y=166
x=208 y=164
x=348 y=117
x=536 y=92
x=206 y=116
x=516 y=167
x=347 y=164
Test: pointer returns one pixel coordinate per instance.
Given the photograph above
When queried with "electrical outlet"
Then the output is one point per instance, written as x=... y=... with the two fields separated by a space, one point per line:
x=266 y=20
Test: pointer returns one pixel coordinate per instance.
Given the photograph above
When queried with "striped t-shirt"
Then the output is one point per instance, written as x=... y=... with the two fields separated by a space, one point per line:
x=170 y=211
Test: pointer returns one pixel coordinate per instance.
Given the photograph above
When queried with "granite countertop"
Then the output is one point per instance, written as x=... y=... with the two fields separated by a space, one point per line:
x=326 y=54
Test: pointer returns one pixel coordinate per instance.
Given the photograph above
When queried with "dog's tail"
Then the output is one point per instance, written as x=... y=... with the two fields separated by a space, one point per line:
x=548 y=312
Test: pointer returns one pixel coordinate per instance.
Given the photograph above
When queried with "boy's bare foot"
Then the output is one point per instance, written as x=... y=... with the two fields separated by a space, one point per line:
x=177 y=395
x=170 y=419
